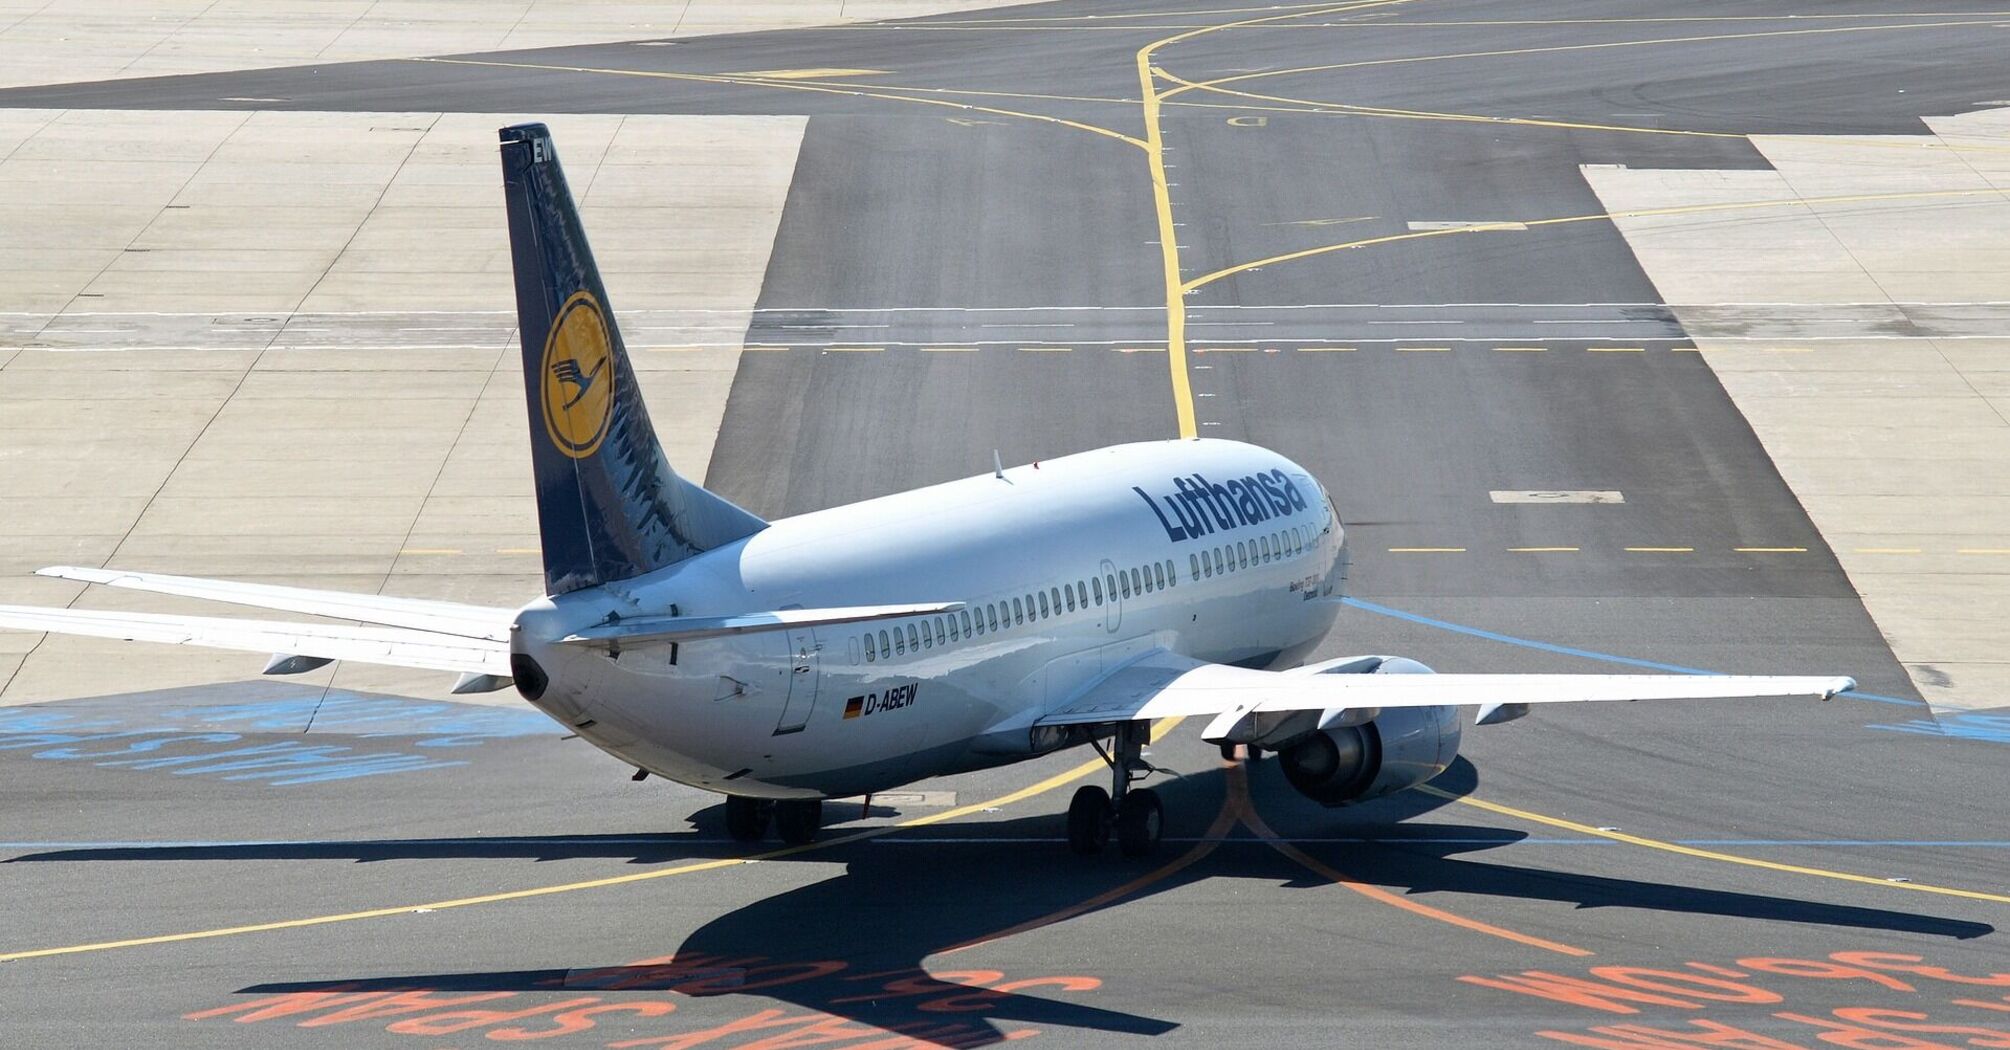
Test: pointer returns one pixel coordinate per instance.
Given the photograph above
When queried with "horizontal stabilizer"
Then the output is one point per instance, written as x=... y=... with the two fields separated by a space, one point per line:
x=1164 y=685
x=377 y=645
x=466 y=621
x=643 y=629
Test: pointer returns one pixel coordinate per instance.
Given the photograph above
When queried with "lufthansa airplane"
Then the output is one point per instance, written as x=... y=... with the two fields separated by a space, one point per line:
x=851 y=650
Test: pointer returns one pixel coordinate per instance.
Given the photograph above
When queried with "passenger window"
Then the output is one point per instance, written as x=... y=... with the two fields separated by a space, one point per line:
x=870 y=652
x=1217 y=559
x=1043 y=605
x=1137 y=582
x=1193 y=566
x=953 y=634
x=885 y=647
x=1068 y=592
x=991 y=613
x=1159 y=572
x=1055 y=593
x=1172 y=573
x=1264 y=542
x=1124 y=584
x=899 y=643
x=927 y=639
x=940 y=638
x=1031 y=616
x=1018 y=612
x=1241 y=555
x=913 y=641
x=1111 y=581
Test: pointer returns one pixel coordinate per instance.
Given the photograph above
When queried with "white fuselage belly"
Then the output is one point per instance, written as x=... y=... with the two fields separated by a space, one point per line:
x=812 y=713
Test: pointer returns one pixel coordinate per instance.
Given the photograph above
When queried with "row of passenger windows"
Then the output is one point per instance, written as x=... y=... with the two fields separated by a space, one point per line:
x=1006 y=613
x=1242 y=554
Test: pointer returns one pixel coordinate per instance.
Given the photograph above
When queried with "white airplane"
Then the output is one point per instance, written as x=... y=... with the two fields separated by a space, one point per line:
x=946 y=629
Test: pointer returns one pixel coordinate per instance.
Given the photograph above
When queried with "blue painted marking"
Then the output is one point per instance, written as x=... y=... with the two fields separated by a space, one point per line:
x=1966 y=725
x=1565 y=650
x=155 y=732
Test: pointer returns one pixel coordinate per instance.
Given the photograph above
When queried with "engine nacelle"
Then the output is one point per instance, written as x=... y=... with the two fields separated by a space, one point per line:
x=1397 y=749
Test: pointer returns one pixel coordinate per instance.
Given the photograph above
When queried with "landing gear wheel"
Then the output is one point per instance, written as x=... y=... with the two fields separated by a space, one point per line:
x=1227 y=751
x=1088 y=820
x=746 y=818
x=1140 y=820
x=798 y=820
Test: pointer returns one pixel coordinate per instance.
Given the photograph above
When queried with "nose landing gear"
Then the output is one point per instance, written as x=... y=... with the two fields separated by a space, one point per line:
x=1136 y=814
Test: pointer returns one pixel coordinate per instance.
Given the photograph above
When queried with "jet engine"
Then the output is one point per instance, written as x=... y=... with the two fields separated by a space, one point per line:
x=1354 y=760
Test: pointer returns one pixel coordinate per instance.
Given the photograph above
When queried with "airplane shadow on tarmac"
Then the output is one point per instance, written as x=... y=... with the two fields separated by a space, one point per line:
x=854 y=947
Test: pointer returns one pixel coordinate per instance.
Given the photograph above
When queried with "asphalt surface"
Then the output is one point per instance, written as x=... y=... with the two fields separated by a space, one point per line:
x=1693 y=866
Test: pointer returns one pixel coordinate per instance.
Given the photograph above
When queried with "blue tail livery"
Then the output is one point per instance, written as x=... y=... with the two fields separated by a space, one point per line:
x=609 y=506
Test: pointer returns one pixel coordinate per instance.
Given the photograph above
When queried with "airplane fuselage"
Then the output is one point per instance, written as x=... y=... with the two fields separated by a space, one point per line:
x=1217 y=550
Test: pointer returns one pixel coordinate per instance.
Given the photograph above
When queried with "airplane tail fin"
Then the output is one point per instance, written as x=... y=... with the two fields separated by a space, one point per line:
x=609 y=507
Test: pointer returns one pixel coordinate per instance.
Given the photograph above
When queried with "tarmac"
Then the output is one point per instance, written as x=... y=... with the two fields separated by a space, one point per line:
x=1625 y=341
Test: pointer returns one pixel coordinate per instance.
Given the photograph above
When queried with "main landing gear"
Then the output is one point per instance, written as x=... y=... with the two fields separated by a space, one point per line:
x=796 y=820
x=1137 y=816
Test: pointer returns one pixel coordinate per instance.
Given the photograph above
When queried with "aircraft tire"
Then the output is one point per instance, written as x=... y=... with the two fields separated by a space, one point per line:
x=1088 y=820
x=1227 y=751
x=798 y=820
x=1140 y=821
x=746 y=818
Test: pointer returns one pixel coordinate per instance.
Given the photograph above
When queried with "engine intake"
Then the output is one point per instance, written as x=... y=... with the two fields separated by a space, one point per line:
x=1397 y=749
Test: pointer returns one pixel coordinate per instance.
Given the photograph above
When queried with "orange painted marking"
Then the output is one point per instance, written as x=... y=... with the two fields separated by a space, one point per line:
x=1239 y=793
x=1223 y=822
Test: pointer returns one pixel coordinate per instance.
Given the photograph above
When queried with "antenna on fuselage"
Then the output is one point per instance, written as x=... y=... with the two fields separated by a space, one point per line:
x=997 y=465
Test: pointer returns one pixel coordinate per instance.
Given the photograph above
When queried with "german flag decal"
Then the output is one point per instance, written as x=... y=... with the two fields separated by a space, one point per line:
x=891 y=699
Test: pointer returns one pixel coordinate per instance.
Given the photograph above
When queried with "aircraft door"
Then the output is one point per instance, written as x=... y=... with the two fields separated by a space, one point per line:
x=1113 y=607
x=805 y=670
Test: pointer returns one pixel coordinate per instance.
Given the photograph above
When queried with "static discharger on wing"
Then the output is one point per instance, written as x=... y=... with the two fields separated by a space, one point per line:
x=855 y=649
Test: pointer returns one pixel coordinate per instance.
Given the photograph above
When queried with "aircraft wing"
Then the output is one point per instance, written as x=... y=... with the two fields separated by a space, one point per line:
x=644 y=629
x=467 y=621
x=1163 y=685
x=398 y=647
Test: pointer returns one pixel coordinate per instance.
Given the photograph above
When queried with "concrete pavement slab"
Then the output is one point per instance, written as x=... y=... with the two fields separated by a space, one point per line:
x=342 y=435
x=70 y=41
x=1891 y=445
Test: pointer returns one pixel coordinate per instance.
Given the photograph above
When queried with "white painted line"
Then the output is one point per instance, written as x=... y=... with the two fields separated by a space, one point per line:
x=1557 y=496
x=899 y=798
x=1467 y=225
